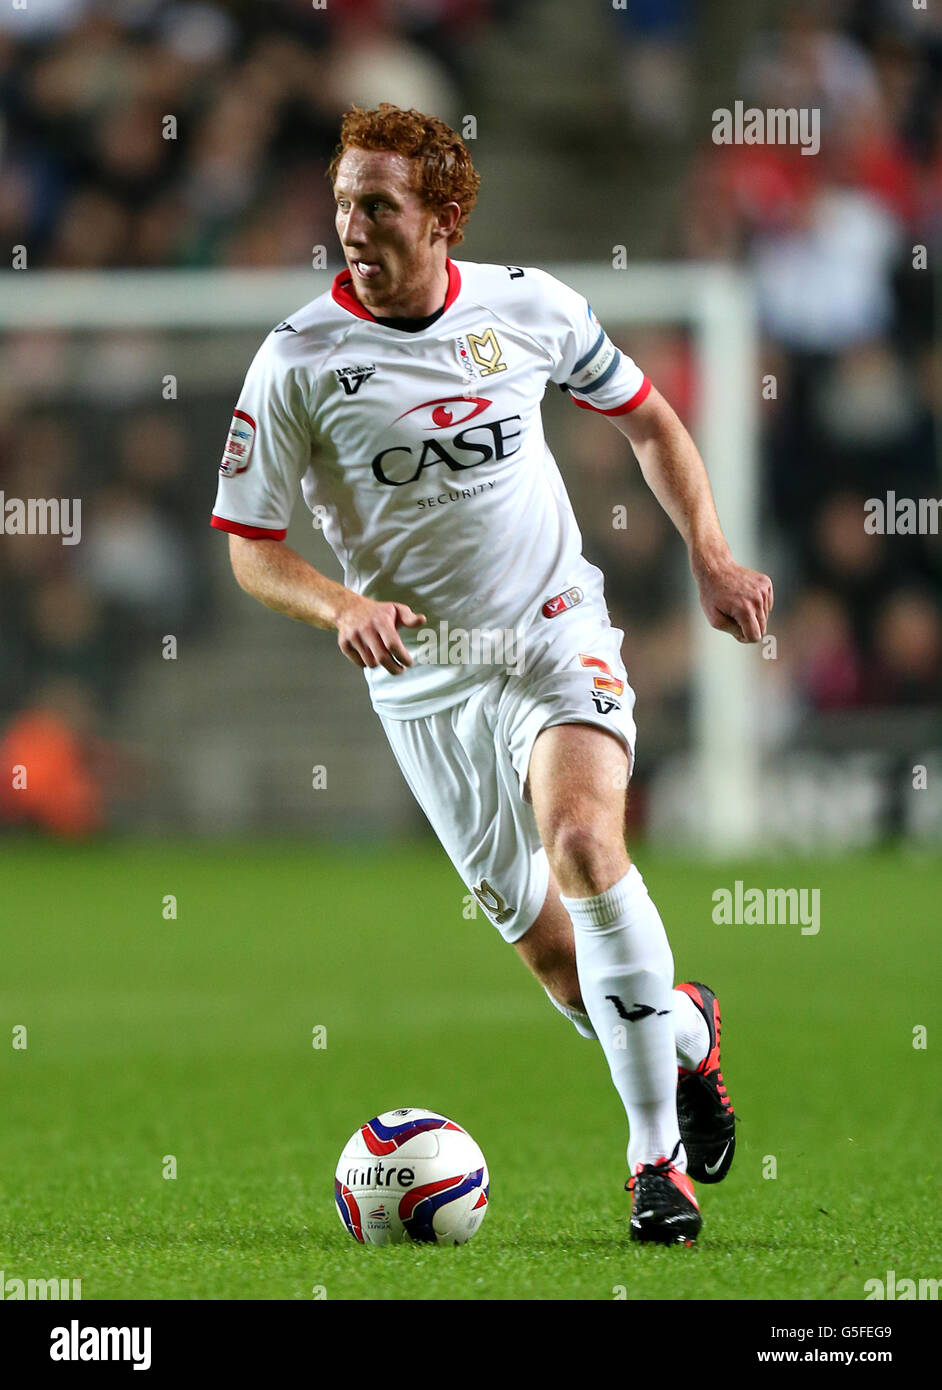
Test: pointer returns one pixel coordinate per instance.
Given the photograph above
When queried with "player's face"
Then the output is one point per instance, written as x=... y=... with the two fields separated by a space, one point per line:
x=392 y=242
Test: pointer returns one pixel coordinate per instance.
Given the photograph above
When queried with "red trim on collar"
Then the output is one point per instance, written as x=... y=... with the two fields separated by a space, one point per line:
x=342 y=292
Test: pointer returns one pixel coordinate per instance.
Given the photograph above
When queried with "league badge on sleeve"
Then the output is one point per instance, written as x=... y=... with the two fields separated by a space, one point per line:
x=238 y=450
x=560 y=602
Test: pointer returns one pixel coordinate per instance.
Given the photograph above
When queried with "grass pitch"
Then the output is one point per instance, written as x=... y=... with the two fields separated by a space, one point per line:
x=149 y=1037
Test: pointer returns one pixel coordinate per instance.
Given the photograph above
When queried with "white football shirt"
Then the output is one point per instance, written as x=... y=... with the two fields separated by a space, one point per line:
x=423 y=454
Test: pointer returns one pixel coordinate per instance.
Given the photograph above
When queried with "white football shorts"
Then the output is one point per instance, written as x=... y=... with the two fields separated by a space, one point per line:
x=467 y=765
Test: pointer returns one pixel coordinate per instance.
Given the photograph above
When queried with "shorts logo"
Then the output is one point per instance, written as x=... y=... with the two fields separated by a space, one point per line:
x=605 y=687
x=492 y=902
x=568 y=599
x=238 y=450
x=352 y=378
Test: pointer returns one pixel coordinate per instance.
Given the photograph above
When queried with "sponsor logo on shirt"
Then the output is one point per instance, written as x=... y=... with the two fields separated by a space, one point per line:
x=469 y=447
x=238 y=451
x=447 y=411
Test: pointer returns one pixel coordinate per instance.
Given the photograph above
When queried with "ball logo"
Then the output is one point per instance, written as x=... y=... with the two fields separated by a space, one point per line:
x=238 y=451
x=378 y=1174
x=411 y=1175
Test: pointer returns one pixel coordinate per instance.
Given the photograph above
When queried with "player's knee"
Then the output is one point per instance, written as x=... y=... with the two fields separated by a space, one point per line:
x=584 y=855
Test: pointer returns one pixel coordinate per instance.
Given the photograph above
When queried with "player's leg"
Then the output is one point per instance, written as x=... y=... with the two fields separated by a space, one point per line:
x=462 y=777
x=705 y=1114
x=577 y=778
x=548 y=949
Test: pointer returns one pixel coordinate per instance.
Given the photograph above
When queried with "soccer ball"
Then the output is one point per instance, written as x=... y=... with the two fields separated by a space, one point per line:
x=411 y=1175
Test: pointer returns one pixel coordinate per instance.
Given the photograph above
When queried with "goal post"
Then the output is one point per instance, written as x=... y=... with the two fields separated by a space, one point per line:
x=717 y=304
x=714 y=302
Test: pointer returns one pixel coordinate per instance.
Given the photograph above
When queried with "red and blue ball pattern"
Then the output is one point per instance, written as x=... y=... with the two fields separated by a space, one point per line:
x=385 y=1137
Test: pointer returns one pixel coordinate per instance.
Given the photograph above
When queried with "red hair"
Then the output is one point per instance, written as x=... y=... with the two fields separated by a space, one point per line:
x=443 y=169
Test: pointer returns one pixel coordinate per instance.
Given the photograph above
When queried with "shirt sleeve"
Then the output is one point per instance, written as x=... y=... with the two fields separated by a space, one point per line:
x=267 y=451
x=597 y=375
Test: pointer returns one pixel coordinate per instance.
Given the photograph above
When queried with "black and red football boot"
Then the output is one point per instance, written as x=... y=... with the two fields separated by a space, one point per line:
x=704 y=1111
x=663 y=1207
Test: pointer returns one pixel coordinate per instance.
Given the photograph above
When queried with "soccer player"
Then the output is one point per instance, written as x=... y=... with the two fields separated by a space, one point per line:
x=405 y=405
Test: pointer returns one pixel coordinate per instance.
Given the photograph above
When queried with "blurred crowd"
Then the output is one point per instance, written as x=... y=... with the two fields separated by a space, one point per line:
x=137 y=134
x=141 y=133
x=845 y=246
x=75 y=617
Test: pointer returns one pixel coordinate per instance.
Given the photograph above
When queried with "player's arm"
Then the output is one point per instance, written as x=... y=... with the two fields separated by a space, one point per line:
x=282 y=579
x=267 y=451
x=601 y=378
x=735 y=599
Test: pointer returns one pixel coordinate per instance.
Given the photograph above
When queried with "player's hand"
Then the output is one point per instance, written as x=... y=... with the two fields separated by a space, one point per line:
x=367 y=633
x=735 y=599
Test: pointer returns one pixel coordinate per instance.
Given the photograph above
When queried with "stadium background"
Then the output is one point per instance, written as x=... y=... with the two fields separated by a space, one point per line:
x=589 y=136
x=593 y=129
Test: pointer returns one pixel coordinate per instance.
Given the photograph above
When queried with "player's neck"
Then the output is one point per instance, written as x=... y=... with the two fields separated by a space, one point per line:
x=415 y=302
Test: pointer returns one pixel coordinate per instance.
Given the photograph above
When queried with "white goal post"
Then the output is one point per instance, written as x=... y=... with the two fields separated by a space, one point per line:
x=715 y=302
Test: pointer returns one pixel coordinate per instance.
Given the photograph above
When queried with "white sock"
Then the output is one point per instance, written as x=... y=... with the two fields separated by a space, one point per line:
x=690 y=1031
x=580 y=1021
x=691 y=1034
x=624 y=965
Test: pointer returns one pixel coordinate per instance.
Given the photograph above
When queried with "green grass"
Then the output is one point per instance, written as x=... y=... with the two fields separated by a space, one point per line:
x=193 y=1037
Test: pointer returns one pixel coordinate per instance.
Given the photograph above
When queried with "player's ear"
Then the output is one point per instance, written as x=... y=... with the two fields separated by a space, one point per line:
x=446 y=222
